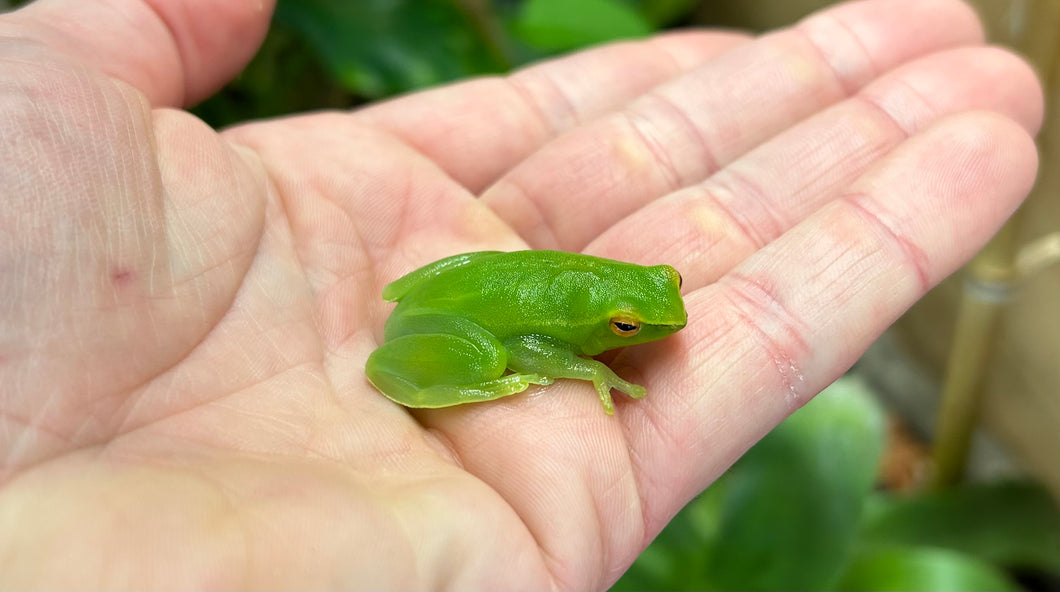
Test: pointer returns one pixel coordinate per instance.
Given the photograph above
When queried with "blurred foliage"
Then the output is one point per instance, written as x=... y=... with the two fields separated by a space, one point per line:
x=341 y=53
x=380 y=47
x=799 y=511
x=552 y=25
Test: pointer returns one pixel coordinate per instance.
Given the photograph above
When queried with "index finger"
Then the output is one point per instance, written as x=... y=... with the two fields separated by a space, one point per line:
x=477 y=130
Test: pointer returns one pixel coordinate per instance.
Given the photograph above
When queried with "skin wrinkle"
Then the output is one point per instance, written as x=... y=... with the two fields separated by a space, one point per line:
x=752 y=301
x=862 y=266
x=913 y=256
x=548 y=124
x=30 y=424
x=826 y=274
x=661 y=48
x=191 y=248
x=738 y=223
x=707 y=155
x=926 y=112
x=34 y=426
x=401 y=218
x=808 y=31
x=359 y=277
x=574 y=116
x=764 y=303
x=375 y=259
x=823 y=181
x=642 y=128
x=134 y=403
x=757 y=217
x=874 y=104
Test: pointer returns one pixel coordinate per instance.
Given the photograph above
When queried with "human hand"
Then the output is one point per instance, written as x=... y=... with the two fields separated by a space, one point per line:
x=185 y=315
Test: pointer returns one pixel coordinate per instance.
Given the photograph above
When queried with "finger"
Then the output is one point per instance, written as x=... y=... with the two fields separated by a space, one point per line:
x=681 y=132
x=176 y=52
x=477 y=130
x=706 y=229
x=790 y=319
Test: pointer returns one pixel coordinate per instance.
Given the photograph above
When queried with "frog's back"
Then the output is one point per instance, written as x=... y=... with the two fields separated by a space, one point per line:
x=397 y=289
x=511 y=292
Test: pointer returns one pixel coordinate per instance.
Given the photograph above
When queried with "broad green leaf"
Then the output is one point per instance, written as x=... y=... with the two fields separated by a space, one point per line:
x=566 y=24
x=928 y=569
x=1015 y=524
x=382 y=47
x=793 y=502
x=785 y=515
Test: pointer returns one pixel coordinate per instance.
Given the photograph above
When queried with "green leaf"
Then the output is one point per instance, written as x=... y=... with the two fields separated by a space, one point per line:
x=558 y=25
x=910 y=568
x=793 y=502
x=1015 y=524
x=382 y=47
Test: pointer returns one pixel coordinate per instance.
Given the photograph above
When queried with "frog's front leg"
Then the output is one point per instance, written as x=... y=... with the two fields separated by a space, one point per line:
x=455 y=361
x=550 y=357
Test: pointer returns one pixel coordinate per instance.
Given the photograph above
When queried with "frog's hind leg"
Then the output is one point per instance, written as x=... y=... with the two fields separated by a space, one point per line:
x=483 y=391
x=439 y=370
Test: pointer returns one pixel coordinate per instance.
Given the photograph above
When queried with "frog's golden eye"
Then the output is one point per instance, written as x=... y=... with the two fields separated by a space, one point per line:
x=625 y=326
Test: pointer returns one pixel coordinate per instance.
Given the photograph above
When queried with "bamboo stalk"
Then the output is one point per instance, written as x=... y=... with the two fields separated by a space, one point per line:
x=992 y=275
x=989 y=281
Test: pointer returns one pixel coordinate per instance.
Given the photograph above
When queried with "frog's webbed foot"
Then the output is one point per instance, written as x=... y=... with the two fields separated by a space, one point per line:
x=606 y=379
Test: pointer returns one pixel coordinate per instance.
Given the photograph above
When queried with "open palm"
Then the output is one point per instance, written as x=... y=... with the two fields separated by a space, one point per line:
x=185 y=315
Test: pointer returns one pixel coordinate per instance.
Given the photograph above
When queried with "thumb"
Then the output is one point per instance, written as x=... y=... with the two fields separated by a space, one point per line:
x=176 y=52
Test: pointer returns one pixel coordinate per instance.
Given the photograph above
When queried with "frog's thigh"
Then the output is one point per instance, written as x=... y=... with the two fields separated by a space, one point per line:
x=439 y=369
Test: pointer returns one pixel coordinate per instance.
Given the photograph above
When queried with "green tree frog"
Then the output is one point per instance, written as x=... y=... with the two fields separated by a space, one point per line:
x=481 y=326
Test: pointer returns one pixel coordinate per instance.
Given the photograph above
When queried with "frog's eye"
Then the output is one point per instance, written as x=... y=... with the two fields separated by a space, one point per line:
x=625 y=326
x=680 y=281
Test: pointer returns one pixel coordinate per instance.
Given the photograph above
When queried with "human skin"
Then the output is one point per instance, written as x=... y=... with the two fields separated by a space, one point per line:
x=185 y=314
